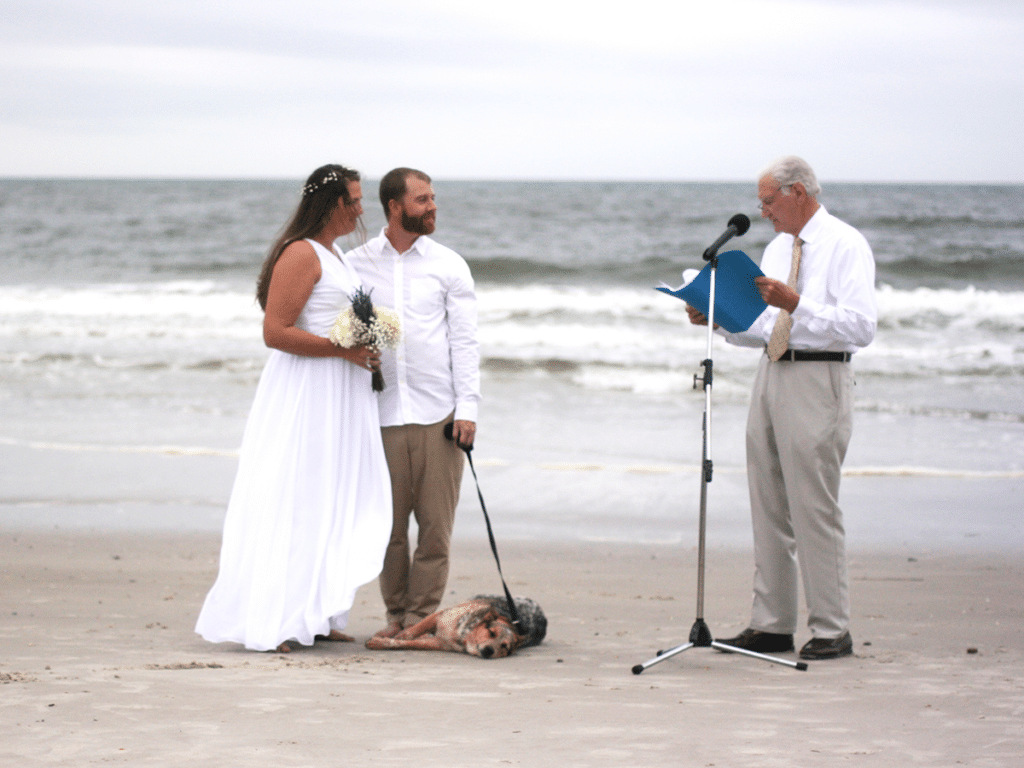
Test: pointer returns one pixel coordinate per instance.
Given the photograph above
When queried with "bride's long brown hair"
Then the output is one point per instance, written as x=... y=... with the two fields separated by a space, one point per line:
x=319 y=198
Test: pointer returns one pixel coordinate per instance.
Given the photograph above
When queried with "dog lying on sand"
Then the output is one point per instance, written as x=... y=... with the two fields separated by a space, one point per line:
x=480 y=627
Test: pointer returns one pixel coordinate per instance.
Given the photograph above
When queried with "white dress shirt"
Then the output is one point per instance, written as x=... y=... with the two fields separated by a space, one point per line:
x=837 y=310
x=436 y=367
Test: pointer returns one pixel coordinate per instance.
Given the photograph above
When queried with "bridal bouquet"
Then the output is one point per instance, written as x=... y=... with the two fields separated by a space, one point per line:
x=362 y=323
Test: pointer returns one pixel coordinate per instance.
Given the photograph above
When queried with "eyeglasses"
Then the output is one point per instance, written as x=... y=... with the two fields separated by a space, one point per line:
x=771 y=200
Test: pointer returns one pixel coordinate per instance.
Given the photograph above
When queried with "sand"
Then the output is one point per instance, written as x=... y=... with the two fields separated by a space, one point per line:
x=100 y=666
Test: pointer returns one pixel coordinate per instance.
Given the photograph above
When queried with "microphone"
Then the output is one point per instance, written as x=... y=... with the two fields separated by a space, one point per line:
x=738 y=225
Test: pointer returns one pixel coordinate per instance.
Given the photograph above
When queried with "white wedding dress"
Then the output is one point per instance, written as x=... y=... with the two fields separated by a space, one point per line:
x=310 y=512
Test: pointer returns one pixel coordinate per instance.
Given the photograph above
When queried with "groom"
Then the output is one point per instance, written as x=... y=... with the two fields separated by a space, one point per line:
x=431 y=379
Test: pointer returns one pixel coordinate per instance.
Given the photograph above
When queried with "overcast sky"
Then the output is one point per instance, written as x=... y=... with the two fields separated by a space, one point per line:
x=896 y=90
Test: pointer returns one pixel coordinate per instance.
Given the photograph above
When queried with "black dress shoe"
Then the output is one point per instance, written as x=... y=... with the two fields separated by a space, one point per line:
x=760 y=642
x=820 y=648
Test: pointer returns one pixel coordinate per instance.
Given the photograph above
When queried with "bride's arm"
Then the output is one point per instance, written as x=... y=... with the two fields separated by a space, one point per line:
x=295 y=275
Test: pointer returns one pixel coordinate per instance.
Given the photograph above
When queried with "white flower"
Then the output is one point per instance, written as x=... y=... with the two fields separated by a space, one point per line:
x=384 y=331
x=387 y=328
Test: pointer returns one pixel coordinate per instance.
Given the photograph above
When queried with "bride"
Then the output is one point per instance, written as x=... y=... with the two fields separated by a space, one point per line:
x=310 y=511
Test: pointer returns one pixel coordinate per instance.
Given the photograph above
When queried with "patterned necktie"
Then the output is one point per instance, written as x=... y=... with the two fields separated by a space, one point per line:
x=779 y=342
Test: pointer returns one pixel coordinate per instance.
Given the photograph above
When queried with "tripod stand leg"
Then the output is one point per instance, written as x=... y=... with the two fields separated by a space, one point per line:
x=797 y=665
x=662 y=655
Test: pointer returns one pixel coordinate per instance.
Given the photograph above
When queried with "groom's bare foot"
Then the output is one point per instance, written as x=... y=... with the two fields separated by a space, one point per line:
x=390 y=630
x=337 y=636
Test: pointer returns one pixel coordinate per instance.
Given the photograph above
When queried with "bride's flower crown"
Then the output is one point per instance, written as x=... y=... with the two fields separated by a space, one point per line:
x=313 y=186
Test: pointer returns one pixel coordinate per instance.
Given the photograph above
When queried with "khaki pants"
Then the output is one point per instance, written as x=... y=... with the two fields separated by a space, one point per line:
x=798 y=429
x=426 y=476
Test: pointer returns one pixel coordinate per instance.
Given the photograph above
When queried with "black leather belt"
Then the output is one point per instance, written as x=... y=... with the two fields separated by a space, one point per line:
x=803 y=355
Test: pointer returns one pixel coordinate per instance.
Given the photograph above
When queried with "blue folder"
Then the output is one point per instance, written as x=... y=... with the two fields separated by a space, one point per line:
x=738 y=302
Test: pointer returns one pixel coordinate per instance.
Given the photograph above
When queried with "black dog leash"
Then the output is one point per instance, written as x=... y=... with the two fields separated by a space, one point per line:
x=516 y=622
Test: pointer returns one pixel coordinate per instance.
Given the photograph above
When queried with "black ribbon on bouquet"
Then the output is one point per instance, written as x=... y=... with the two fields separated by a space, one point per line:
x=516 y=622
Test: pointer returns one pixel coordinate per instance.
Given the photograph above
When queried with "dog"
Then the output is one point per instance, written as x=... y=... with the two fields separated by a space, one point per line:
x=480 y=627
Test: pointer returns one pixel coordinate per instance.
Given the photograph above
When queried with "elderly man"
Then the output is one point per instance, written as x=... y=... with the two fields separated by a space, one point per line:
x=819 y=278
x=431 y=379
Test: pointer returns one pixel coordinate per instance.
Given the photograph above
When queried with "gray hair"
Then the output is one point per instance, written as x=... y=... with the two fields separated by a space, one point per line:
x=787 y=171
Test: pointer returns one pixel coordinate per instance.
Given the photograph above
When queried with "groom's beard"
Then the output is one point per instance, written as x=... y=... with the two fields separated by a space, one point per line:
x=419 y=225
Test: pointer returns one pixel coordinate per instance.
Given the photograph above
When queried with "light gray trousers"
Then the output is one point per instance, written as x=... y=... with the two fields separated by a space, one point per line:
x=798 y=429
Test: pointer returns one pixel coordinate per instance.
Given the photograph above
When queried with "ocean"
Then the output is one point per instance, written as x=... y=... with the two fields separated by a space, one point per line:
x=128 y=327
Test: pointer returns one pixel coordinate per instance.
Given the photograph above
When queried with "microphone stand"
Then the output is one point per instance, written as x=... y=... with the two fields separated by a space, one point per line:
x=700 y=634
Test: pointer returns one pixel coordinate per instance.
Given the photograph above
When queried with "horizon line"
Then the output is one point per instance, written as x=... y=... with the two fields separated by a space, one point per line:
x=510 y=179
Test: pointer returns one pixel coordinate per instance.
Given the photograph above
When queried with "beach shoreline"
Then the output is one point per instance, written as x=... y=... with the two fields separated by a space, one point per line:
x=554 y=462
x=101 y=665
